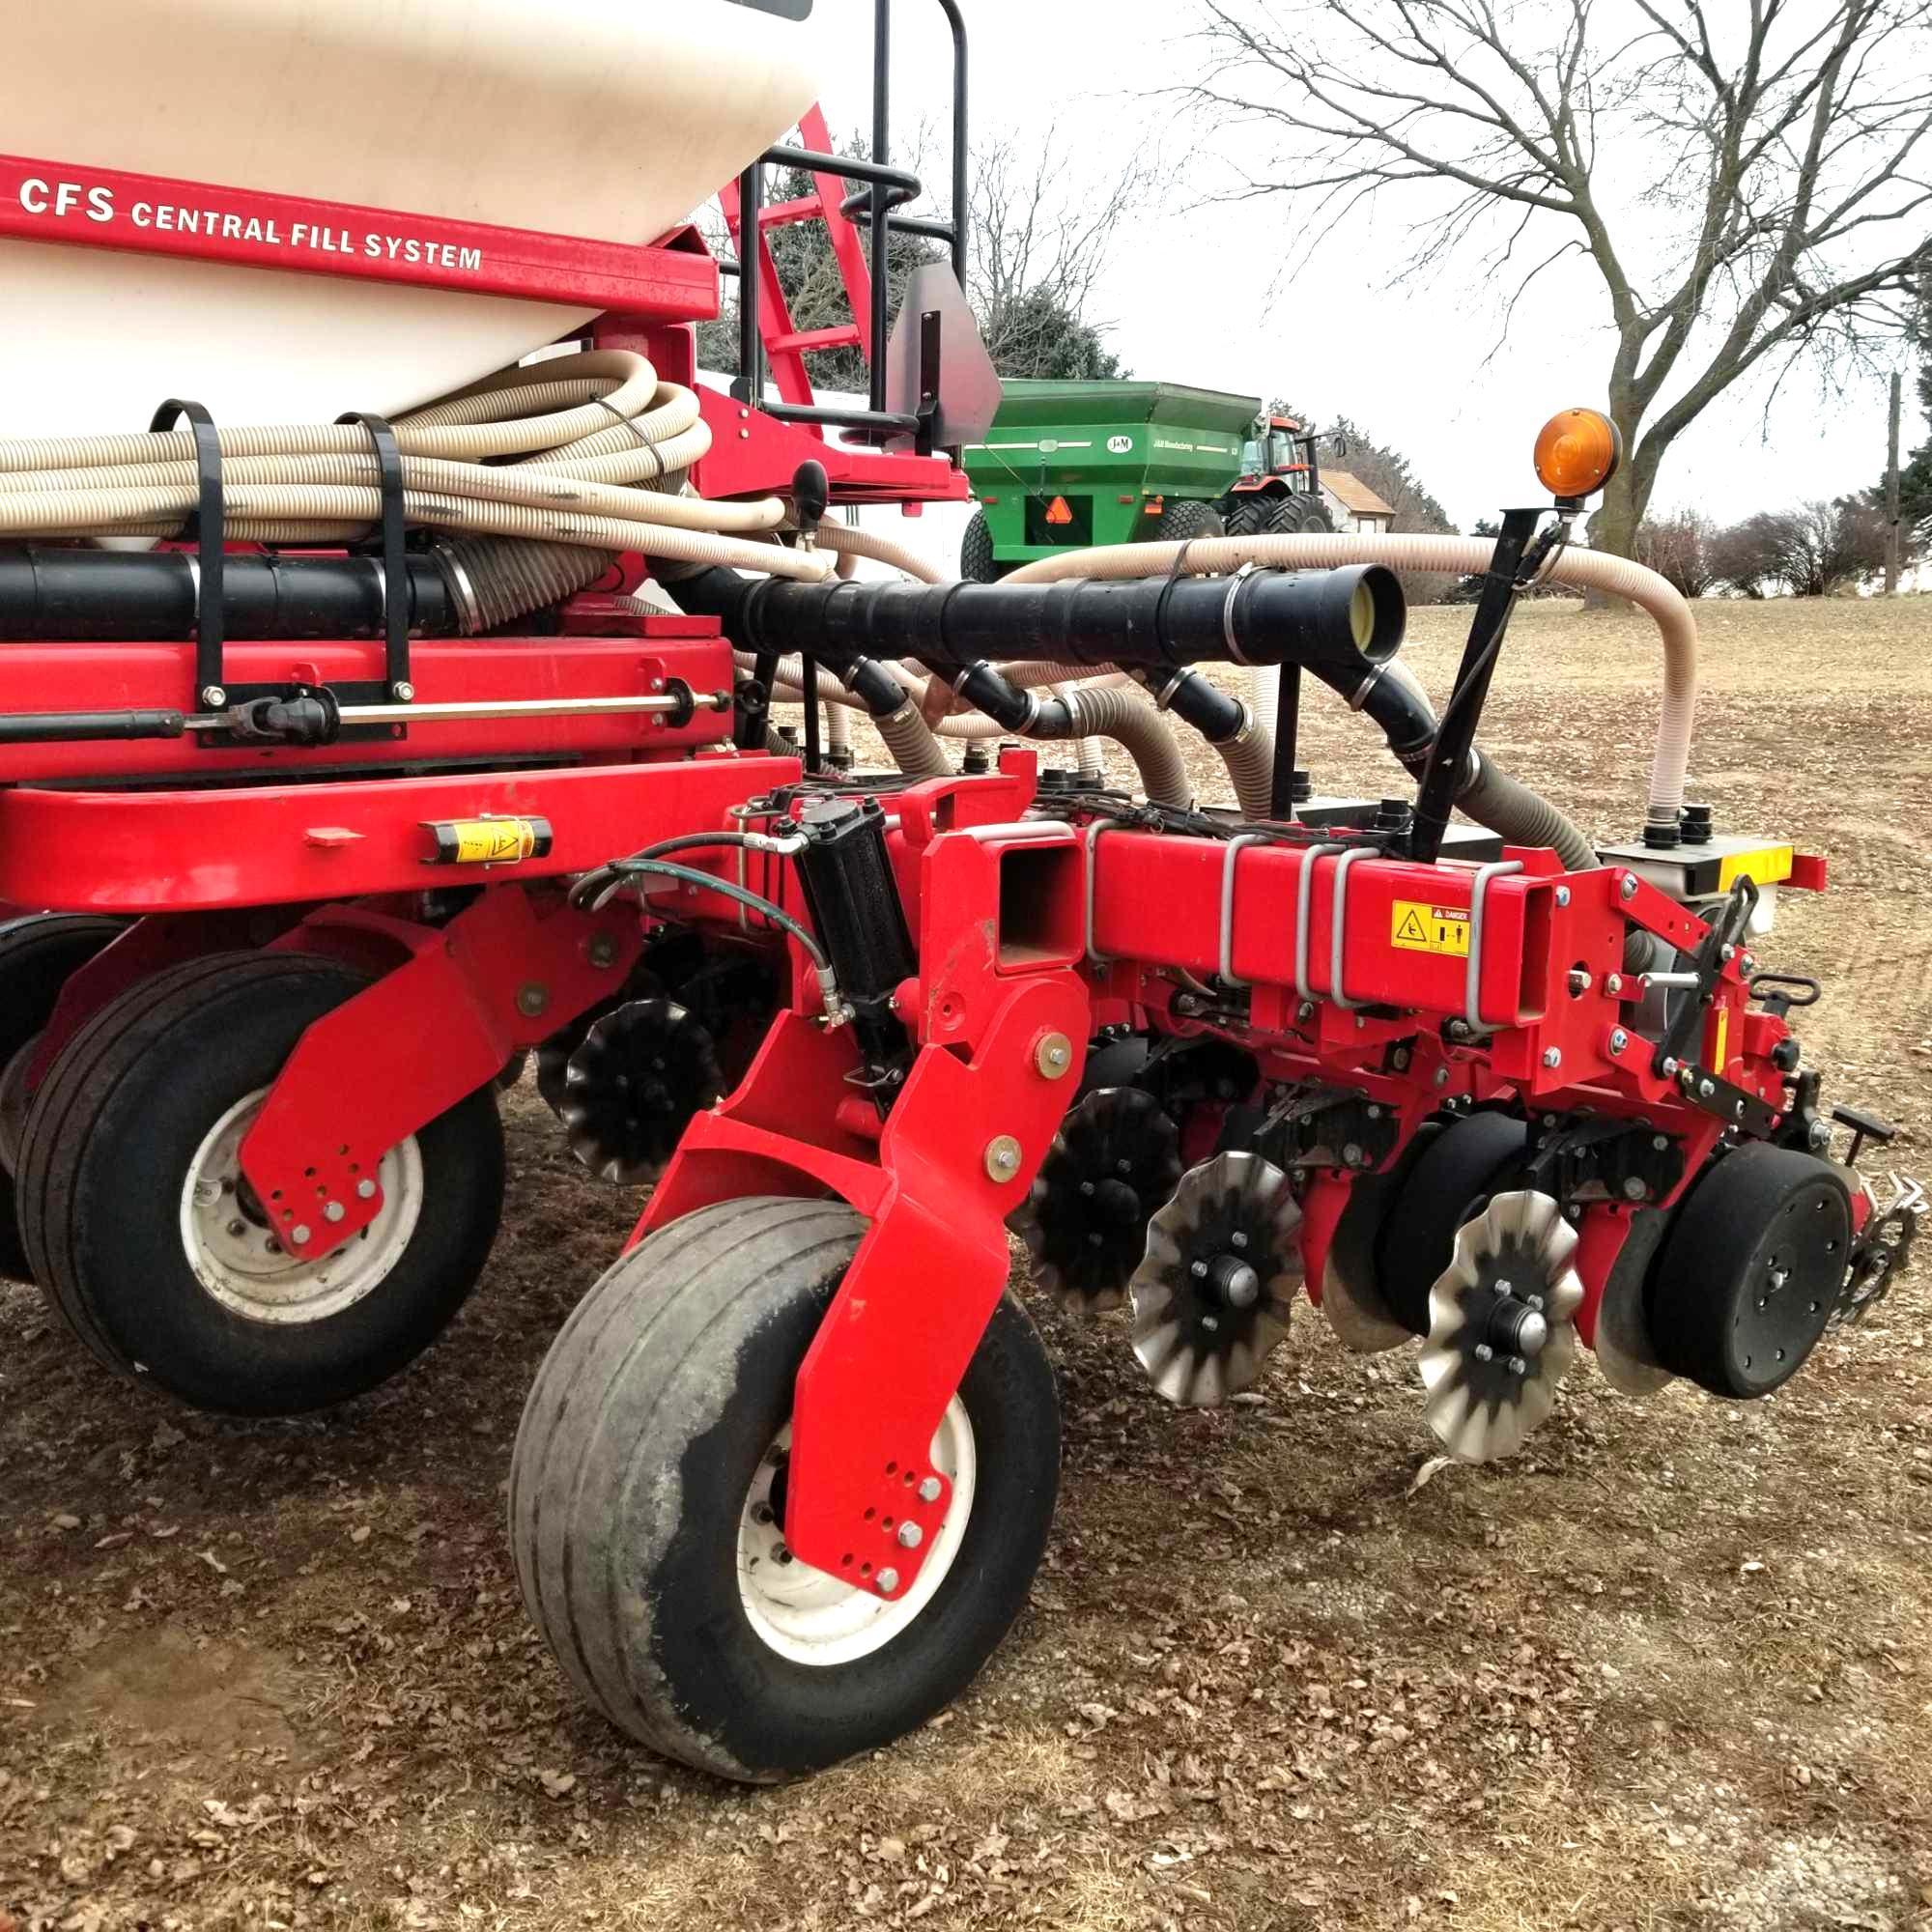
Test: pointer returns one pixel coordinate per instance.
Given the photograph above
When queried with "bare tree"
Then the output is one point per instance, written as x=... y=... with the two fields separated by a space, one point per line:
x=1811 y=550
x=1745 y=176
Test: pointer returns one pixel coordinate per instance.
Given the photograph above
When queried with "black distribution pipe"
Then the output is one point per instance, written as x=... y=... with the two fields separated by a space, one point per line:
x=73 y=596
x=1342 y=624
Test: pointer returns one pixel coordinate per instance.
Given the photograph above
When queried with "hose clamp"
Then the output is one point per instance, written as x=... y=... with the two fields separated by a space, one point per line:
x=1229 y=637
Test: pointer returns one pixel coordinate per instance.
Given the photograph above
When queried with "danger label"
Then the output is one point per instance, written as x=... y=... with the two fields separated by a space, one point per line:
x=1415 y=927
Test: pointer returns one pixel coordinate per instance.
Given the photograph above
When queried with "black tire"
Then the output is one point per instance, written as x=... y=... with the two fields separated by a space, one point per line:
x=1752 y=1270
x=1301 y=515
x=649 y=1421
x=38 y=955
x=1249 y=515
x=978 y=563
x=111 y=1140
x=1449 y=1184
x=1186 y=520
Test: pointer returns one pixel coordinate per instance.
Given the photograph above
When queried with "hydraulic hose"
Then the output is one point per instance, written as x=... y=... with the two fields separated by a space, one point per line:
x=1581 y=569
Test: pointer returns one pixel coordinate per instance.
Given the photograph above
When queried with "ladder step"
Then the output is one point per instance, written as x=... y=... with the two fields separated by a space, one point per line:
x=789 y=213
x=810 y=340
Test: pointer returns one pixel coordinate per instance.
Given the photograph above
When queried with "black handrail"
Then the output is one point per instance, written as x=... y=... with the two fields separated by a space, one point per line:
x=885 y=188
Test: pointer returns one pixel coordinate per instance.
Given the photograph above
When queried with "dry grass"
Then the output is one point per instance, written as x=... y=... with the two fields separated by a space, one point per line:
x=1667 y=1669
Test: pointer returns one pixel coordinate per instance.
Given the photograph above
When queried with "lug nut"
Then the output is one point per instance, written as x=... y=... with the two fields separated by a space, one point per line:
x=929 y=1491
x=366 y=1189
x=334 y=1212
x=1553 y=1056
x=911 y=1536
x=888 y=1580
x=299 y=1237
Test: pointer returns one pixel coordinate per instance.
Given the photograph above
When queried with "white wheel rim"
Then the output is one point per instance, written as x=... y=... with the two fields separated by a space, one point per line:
x=812 y=1617
x=235 y=1253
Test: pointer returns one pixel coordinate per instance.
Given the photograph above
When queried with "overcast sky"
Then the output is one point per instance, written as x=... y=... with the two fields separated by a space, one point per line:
x=1191 y=295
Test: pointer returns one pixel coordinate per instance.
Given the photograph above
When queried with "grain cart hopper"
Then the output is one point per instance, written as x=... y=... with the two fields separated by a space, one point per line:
x=784 y=1481
x=303 y=730
x=1067 y=466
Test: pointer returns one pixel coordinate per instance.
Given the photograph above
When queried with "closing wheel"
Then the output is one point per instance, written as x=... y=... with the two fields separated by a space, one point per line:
x=38 y=955
x=148 y=1239
x=647 y=1500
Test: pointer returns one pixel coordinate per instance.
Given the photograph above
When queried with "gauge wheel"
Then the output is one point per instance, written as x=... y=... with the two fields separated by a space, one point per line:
x=38 y=955
x=149 y=1241
x=647 y=1506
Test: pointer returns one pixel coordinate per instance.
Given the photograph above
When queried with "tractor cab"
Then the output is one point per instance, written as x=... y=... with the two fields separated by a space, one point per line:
x=1279 y=450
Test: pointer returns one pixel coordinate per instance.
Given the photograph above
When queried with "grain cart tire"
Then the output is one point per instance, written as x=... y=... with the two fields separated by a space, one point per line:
x=38 y=955
x=649 y=1535
x=1188 y=522
x=978 y=563
x=150 y=1244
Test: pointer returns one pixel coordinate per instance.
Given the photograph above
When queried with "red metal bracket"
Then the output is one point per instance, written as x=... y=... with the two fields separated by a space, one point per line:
x=501 y=976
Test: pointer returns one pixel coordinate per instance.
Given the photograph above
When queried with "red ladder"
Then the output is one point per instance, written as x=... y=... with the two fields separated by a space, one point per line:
x=786 y=345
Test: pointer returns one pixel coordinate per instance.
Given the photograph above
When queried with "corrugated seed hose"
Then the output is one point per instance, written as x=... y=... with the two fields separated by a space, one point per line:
x=587 y=427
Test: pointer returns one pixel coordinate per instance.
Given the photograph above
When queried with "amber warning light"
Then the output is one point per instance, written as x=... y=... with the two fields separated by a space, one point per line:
x=1577 y=453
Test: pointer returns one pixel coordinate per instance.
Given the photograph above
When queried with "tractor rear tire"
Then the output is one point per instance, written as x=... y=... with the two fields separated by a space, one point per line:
x=978 y=563
x=1187 y=521
x=149 y=1244
x=38 y=955
x=1251 y=516
x=648 y=1534
x=1302 y=516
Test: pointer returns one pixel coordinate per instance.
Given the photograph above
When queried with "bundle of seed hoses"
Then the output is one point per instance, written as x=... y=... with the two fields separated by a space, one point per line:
x=589 y=450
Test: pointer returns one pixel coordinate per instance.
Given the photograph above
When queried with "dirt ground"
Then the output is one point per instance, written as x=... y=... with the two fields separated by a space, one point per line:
x=1670 y=1667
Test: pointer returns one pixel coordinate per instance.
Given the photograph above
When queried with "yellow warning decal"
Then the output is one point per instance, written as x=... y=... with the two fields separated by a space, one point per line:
x=1769 y=865
x=490 y=841
x=1416 y=926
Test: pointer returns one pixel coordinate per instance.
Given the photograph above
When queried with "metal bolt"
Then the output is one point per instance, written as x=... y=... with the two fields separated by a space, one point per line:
x=1199 y=1270
x=603 y=951
x=238 y=1230
x=531 y=1000
x=1054 y=1055
x=1669 y=1068
x=1305 y=1010
x=762 y=1514
x=1237 y=1240
x=781 y=1555
x=1730 y=953
x=1614 y=982
x=1553 y=1056
x=1705 y=1088
x=1660 y=1142
x=213 y=696
x=1750 y=964
x=334 y=1212
x=887 y=1582
x=929 y=1491
x=402 y=692
x=1562 y=895
x=299 y=1237
x=1635 y=1188
x=1003 y=1159
x=366 y=1189
x=1579 y=982
x=911 y=1536
x=1518 y=1365
x=1484 y=1352
x=1626 y=887
x=1441 y=1076
x=1619 y=1039
x=1400 y=1060
x=1351 y=1155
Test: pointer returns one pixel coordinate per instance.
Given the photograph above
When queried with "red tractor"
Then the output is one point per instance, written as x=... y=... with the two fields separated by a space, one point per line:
x=1279 y=490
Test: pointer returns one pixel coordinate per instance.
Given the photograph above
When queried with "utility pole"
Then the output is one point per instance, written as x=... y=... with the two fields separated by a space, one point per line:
x=1891 y=530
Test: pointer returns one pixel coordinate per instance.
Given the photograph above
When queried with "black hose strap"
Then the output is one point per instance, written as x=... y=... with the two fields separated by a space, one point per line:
x=631 y=423
x=395 y=560
x=204 y=527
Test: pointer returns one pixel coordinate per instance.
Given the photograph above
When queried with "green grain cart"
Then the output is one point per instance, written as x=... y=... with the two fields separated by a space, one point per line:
x=1067 y=466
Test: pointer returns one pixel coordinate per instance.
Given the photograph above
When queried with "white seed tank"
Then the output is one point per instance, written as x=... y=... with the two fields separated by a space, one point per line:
x=609 y=119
